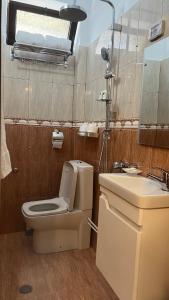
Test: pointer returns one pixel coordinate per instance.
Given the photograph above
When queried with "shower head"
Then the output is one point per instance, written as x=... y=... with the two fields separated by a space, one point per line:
x=72 y=13
x=105 y=54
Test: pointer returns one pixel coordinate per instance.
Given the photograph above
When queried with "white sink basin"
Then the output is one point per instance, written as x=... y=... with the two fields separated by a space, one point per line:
x=137 y=190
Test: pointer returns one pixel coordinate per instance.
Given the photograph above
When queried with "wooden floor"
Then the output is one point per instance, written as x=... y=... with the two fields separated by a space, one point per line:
x=70 y=275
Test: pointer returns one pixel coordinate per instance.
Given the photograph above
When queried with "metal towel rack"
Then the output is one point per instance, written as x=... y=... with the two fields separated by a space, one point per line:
x=37 y=53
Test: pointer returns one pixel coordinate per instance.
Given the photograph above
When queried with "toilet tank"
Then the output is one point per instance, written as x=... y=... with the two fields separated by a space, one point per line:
x=84 y=186
x=68 y=183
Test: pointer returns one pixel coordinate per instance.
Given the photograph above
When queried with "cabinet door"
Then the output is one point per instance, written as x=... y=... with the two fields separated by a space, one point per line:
x=118 y=247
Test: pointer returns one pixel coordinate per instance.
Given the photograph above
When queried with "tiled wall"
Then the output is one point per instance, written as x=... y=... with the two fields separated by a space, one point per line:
x=128 y=62
x=149 y=108
x=39 y=91
x=164 y=93
x=35 y=90
x=48 y=93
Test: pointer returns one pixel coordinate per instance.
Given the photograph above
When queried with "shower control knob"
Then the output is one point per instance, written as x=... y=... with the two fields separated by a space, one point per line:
x=15 y=170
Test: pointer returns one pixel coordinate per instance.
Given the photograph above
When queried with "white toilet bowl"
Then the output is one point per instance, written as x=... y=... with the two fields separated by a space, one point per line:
x=62 y=223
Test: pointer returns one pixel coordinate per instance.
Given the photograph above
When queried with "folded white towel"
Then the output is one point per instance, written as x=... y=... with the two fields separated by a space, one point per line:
x=57 y=43
x=24 y=37
x=48 y=41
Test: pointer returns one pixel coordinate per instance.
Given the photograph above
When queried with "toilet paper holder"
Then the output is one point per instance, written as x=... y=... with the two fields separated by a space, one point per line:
x=57 y=139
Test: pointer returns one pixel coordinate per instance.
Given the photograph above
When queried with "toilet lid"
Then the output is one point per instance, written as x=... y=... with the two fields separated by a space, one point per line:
x=44 y=207
x=68 y=183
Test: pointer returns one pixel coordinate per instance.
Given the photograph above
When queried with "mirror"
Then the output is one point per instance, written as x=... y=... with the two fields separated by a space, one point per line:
x=154 y=113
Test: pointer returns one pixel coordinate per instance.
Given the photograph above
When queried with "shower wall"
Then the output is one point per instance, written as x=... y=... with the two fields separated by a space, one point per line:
x=128 y=60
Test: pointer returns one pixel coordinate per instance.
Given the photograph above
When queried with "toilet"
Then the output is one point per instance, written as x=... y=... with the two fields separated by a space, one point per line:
x=61 y=223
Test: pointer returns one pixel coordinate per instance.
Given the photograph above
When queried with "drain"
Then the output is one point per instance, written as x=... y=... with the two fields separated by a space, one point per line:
x=25 y=289
x=29 y=232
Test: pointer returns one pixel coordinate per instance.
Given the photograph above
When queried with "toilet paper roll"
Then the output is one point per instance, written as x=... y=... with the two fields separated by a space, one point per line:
x=57 y=144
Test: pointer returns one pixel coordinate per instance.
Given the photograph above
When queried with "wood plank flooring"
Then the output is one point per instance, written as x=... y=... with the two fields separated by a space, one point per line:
x=70 y=275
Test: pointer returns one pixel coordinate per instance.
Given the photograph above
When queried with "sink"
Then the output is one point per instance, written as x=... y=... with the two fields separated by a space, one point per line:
x=139 y=191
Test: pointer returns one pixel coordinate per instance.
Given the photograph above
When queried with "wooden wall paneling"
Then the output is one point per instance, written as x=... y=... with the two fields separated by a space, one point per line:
x=38 y=153
x=162 y=138
x=120 y=144
x=39 y=170
x=147 y=137
x=15 y=184
x=140 y=154
x=160 y=158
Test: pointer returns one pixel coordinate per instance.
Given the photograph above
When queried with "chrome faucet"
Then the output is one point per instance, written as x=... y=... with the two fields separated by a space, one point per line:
x=119 y=165
x=164 y=178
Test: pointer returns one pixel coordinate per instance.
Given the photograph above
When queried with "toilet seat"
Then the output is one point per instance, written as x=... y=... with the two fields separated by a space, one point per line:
x=45 y=207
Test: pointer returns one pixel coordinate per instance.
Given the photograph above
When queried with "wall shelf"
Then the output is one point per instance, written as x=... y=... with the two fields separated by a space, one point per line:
x=88 y=134
x=38 y=53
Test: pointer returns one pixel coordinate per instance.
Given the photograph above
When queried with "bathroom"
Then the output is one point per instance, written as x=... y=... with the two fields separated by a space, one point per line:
x=75 y=119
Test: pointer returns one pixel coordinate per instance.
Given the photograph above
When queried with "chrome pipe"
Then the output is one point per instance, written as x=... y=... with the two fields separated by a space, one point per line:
x=112 y=37
x=92 y=225
x=108 y=2
x=108 y=76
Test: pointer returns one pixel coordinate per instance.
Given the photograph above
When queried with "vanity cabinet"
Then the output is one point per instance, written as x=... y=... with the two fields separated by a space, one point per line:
x=133 y=248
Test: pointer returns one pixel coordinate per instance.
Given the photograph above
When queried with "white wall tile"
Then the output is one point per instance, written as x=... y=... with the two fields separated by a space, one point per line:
x=79 y=102
x=149 y=108
x=129 y=35
x=136 y=101
x=14 y=68
x=165 y=7
x=95 y=110
x=150 y=12
x=62 y=97
x=95 y=65
x=80 y=64
x=40 y=71
x=163 y=108
x=151 y=76
x=15 y=98
x=40 y=100
x=62 y=77
x=164 y=76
